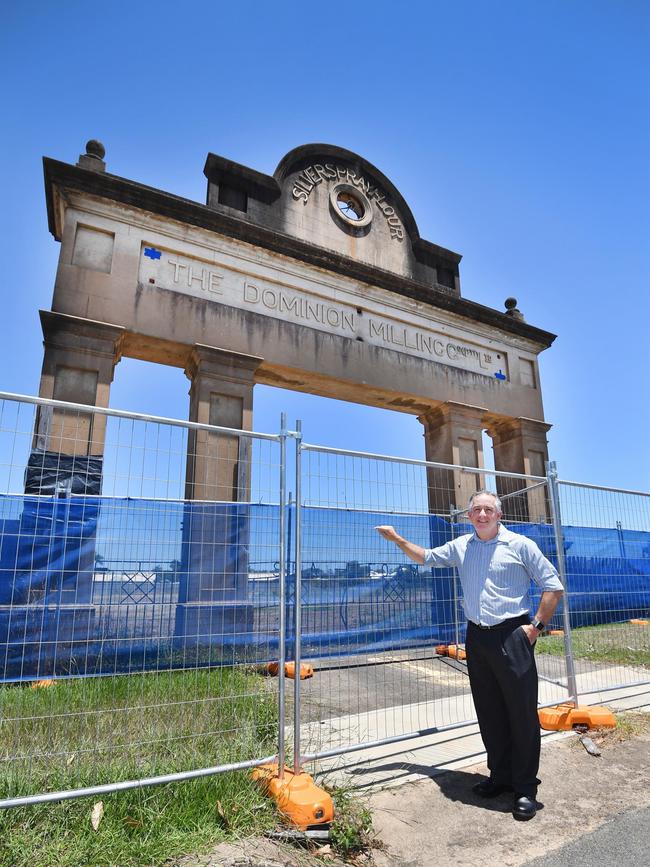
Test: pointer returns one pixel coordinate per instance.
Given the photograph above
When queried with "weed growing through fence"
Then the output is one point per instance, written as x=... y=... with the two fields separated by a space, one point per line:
x=91 y=731
x=351 y=829
x=622 y=643
x=631 y=724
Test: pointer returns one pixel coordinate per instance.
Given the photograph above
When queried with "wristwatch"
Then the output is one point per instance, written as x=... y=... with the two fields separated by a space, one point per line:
x=539 y=626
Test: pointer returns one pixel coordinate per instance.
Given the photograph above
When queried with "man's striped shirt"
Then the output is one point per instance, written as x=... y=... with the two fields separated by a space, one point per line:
x=496 y=575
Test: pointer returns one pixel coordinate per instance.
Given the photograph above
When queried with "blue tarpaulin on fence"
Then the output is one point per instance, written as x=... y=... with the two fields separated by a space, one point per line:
x=92 y=585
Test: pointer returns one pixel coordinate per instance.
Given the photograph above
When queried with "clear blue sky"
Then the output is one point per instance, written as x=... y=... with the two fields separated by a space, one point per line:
x=519 y=134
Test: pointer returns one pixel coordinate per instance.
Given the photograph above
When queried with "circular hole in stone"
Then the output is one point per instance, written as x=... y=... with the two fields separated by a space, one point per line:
x=350 y=206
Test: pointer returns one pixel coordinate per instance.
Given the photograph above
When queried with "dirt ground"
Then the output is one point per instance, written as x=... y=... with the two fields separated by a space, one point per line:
x=439 y=821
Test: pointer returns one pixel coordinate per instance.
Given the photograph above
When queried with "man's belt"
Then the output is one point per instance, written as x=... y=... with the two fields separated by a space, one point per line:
x=511 y=621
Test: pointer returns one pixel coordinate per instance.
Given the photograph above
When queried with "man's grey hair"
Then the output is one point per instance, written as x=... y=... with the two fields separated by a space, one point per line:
x=497 y=501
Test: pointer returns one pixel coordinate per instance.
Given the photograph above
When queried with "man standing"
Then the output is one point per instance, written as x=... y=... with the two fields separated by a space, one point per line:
x=496 y=567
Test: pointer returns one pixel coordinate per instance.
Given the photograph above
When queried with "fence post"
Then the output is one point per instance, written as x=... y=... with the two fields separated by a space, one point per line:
x=297 y=606
x=454 y=513
x=282 y=565
x=554 y=492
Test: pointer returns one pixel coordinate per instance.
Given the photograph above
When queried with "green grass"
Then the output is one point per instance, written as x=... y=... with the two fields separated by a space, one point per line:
x=629 y=724
x=91 y=731
x=618 y=643
x=141 y=827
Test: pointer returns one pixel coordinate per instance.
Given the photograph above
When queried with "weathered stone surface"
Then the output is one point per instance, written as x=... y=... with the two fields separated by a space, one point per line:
x=318 y=271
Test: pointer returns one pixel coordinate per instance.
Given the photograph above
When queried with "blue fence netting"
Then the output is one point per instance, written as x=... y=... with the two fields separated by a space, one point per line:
x=98 y=585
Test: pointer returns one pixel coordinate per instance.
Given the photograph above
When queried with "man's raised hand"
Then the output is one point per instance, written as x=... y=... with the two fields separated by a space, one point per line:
x=388 y=532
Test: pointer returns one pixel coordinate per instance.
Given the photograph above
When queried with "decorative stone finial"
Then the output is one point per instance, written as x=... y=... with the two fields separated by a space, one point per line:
x=511 y=309
x=95 y=148
x=94 y=157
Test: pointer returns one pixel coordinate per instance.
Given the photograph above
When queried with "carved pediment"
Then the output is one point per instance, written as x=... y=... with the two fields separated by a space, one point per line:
x=336 y=200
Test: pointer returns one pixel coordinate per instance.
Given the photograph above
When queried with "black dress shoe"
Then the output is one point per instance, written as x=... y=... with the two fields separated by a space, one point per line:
x=524 y=808
x=489 y=789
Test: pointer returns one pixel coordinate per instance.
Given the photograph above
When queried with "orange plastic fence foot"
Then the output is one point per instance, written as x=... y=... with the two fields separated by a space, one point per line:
x=298 y=798
x=555 y=632
x=306 y=670
x=638 y=622
x=565 y=717
x=453 y=650
x=41 y=684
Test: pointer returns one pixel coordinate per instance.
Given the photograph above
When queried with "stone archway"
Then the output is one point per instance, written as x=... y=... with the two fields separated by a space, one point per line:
x=314 y=279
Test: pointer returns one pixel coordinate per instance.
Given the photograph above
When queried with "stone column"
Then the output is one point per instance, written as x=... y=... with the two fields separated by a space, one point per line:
x=78 y=366
x=453 y=435
x=213 y=611
x=221 y=394
x=520 y=446
x=51 y=618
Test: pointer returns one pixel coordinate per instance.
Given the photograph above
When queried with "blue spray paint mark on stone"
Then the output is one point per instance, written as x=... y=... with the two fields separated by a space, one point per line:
x=500 y=374
x=152 y=253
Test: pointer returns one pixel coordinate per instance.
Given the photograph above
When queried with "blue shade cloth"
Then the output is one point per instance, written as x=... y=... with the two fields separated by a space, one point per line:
x=92 y=585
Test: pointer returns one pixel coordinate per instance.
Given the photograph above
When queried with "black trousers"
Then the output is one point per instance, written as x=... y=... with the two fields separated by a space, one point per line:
x=503 y=679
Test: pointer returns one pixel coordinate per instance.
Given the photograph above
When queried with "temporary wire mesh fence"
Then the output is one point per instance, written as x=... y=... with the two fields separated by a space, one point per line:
x=606 y=542
x=142 y=566
x=386 y=633
x=139 y=573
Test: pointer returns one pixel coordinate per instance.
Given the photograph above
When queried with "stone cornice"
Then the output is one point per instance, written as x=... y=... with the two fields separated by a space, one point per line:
x=61 y=176
x=88 y=335
x=219 y=169
x=452 y=411
x=221 y=363
x=503 y=429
